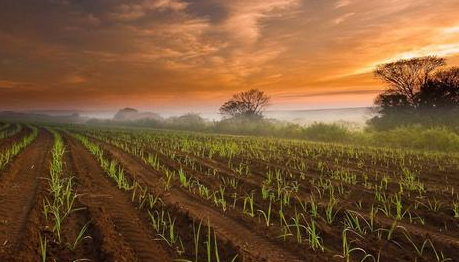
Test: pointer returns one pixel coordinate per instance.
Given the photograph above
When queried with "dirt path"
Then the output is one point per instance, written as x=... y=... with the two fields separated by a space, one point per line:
x=254 y=247
x=125 y=235
x=19 y=185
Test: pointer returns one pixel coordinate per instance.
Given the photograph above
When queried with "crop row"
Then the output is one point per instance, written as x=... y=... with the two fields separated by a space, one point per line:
x=7 y=131
x=305 y=203
x=166 y=223
x=9 y=153
x=58 y=204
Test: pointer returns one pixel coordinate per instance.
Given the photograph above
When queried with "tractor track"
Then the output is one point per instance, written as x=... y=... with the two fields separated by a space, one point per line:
x=125 y=235
x=19 y=187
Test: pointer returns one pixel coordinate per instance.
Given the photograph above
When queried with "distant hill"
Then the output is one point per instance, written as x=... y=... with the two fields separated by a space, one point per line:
x=130 y=114
x=12 y=116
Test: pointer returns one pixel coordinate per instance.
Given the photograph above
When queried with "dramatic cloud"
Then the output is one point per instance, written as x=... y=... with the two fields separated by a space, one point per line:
x=193 y=54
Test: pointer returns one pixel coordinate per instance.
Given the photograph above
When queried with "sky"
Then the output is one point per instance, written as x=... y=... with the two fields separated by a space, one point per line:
x=192 y=55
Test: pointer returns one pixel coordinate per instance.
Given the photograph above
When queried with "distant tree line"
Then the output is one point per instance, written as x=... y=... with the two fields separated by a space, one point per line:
x=420 y=91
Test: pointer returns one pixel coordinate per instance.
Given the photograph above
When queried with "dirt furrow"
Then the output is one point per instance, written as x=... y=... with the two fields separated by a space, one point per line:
x=254 y=247
x=7 y=142
x=19 y=185
x=442 y=239
x=113 y=211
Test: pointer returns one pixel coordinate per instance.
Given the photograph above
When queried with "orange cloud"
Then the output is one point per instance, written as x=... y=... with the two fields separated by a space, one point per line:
x=176 y=53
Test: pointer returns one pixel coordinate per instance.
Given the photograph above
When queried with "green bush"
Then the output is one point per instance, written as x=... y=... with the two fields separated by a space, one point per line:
x=411 y=136
x=418 y=137
x=327 y=132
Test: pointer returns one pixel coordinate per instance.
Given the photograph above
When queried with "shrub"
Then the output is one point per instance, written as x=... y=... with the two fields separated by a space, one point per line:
x=418 y=137
x=327 y=132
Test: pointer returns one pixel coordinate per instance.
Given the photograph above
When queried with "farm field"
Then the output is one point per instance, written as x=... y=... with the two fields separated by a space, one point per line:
x=78 y=193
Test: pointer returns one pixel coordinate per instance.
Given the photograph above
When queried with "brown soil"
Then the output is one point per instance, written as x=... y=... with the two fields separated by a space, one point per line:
x=19 y=188
x=7 y=142
x=120 y=230
x=253 y=246
x=443 y=240
x=122 y=233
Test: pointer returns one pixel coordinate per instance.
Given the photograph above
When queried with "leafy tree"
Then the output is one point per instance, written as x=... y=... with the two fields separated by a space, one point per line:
x=442 y=91
x=405 y=77
x=249 y=104
x=420 y=91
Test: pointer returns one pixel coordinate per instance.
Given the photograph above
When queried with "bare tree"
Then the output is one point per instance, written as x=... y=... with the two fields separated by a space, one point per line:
x=250 y=103
x=407 y=76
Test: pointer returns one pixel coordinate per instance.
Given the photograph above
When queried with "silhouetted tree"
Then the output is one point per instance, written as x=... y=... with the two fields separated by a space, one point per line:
x=448 y=76
x=419 y=92
x=248 y=104
x=405 y=77
x=442 y=91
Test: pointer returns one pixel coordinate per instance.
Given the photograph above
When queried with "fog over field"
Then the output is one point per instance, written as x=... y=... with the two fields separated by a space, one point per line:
x=352 y=115
x=358 y=115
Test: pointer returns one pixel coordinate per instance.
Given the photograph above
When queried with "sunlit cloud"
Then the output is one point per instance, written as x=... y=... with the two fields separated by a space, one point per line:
x=74 y=79
x=245 y=16
x=440 y=50
x=139 y=9
x=7 y=84
x=452 y=30
x=190 y=52
x=329 y=93
x=343 y=18
x=342 y=3
x=15 y=85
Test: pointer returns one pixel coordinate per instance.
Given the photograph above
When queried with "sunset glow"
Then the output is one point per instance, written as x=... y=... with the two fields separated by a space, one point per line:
x=192 y=55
